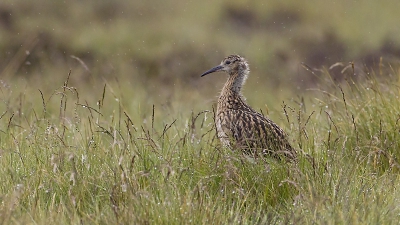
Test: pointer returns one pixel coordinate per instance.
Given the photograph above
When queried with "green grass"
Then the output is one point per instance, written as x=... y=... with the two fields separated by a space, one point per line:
x=106 y=158
x=128 y=136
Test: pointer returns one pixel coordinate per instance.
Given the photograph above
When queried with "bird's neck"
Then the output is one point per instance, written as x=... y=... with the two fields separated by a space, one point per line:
x=234 y=84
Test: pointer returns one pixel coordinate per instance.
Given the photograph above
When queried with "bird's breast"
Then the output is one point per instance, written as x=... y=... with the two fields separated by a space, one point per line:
x=223 y=129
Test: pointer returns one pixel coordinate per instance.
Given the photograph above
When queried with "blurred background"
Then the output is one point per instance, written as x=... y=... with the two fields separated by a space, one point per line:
x=158 y=47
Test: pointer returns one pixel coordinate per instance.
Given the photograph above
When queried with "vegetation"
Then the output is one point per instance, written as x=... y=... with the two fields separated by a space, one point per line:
x=104 y=119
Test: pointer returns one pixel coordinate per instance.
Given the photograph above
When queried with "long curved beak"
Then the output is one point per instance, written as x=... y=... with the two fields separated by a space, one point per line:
x=215 y=69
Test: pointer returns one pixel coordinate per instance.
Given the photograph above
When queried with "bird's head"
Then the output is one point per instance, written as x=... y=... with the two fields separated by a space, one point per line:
x=233 y=64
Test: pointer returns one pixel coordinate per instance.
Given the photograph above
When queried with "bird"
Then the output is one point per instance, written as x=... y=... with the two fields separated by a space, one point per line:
x=240 y=126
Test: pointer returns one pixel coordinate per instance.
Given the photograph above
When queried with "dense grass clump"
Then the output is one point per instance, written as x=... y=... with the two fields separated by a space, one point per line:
x=92 y=156
x=353 y=146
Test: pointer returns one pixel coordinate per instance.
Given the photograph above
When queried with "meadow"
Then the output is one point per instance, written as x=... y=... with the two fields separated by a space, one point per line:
x=104 y=118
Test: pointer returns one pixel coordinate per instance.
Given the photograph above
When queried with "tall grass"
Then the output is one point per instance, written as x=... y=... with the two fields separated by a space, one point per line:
x=103 y=161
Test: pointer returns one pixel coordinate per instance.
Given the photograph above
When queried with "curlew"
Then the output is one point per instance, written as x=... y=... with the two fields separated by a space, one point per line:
x=240 y=126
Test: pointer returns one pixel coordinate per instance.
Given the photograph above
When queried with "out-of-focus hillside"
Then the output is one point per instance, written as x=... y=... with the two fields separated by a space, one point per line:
x=165 y=40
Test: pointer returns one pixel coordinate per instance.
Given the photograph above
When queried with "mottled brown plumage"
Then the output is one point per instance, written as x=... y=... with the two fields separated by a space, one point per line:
x=238 y=125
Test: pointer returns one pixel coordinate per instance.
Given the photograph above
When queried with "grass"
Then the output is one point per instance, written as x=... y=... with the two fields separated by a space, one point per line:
x=74 y=157
x=104 y=119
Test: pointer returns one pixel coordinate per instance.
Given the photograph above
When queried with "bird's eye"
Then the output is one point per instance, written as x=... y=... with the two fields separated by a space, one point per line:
x=228 y=62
